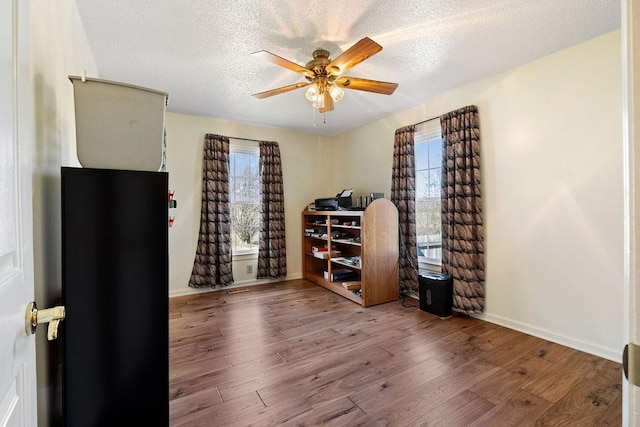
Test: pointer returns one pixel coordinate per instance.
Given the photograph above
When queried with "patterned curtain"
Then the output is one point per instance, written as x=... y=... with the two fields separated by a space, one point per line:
x=462 y=233
x=212 y=265
x=272 y=253
x=403 y=196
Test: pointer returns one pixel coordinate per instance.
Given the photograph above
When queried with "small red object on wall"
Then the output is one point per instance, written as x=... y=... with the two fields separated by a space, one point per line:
x=171 y=218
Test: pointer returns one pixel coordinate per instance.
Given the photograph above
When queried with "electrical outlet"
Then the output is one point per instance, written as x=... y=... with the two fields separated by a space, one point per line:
x=249 y=269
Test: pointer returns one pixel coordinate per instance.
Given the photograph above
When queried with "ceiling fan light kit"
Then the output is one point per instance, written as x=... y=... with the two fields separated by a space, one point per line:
x=325 y=80
x=336 y=93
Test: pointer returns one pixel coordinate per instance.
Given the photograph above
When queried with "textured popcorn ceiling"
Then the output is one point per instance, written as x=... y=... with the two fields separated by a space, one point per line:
x=199 y=51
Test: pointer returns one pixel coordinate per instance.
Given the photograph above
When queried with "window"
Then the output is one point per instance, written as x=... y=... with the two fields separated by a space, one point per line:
x=428 y=160
x=244 y=197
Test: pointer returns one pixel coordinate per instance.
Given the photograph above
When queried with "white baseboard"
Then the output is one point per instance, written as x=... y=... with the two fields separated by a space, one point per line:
x=614 y=355
x=192 y=291
x=596 y=350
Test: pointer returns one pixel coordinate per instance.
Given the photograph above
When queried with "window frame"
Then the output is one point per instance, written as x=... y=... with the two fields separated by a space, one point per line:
x=237 y=149
x=424 y=134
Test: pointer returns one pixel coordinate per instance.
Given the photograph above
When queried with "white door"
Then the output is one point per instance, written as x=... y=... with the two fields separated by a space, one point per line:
x=17 y=350
x=631 y=109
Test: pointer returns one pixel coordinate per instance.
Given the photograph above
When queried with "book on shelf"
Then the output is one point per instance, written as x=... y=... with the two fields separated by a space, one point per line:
x=353 y=285
x=340 y=274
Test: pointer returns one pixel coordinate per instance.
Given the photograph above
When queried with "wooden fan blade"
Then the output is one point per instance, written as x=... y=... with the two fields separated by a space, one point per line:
x=328 y=103
x=376 y=86
x=280 y=90
x=278 y=60
x=351 y=57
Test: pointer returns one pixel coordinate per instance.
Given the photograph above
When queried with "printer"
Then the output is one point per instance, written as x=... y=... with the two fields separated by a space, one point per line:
x=342 y=200
x=333 y=203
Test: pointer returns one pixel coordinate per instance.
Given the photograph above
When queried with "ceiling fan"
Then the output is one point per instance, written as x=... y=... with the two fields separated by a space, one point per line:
x=325 y=79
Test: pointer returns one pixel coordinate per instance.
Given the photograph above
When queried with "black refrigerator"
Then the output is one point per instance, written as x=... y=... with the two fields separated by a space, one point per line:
x=115 y=275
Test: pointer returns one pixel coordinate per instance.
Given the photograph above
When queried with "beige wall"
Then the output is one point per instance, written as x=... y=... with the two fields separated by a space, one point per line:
x=551 y=143
x=552 y=189
x=59 y=48
x=552 y=179
x=306 y=174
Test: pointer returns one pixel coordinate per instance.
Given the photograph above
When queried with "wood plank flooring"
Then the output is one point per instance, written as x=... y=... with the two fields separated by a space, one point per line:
x=295 y=354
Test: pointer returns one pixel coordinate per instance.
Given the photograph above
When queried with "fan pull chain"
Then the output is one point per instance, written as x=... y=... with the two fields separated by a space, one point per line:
x=313 y=115
x=324 y=117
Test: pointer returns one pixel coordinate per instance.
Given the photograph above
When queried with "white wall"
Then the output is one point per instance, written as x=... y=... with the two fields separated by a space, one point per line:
x=59 y=48
x=551 y=142
x=306 y=175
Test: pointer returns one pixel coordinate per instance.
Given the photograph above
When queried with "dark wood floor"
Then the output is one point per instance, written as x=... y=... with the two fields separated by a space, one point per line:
x=296 y=354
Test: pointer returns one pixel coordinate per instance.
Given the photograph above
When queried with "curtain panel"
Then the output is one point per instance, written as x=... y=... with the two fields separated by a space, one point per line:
x=272 y=253
x=403 y=195
x=212 y=265
x=462 y=228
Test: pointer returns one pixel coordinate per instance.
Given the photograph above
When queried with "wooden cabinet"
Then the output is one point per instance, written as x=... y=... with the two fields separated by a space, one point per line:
x=342 y=247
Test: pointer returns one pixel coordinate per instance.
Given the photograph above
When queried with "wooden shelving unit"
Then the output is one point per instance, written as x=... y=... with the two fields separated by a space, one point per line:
x=371 y=235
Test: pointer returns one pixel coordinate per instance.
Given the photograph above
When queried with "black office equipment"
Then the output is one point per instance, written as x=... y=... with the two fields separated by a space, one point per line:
x=436 y=293
x=115 y=290
x=333 y=203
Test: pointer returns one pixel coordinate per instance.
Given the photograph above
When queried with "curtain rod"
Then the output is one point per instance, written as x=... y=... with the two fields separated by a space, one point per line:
x=243 y=139
x=425 y=121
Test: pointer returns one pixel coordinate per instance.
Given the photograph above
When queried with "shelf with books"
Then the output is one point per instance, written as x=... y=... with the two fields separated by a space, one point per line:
x=364 y=252
x=339 y=274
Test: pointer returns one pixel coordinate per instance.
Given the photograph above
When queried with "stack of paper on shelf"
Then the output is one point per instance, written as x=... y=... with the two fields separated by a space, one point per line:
x=324 y=253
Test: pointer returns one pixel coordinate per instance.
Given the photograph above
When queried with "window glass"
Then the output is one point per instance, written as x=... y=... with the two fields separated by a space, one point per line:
x=428 y=160
x=244 y=197
x=421 y=154
x=435 y=153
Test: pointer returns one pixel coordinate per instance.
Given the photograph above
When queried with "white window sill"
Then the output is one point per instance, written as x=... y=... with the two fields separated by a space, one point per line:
x=245 y=255
x=429 y=265
x=422 y=260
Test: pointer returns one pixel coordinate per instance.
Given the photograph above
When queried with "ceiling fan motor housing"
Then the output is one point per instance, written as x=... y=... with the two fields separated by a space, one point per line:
x=319 y=62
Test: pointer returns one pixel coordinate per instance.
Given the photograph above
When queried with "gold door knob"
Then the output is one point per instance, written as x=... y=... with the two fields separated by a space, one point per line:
x=52 y=316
